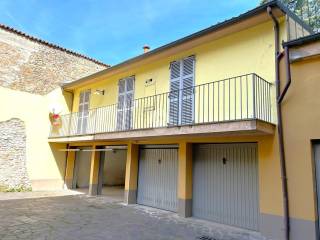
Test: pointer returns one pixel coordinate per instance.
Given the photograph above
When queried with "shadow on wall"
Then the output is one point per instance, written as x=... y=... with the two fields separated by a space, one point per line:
x=68 y=97
x=114 y=169
x=60 y=158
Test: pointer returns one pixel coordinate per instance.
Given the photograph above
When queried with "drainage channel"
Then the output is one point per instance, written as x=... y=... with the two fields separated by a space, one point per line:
x=203 y=237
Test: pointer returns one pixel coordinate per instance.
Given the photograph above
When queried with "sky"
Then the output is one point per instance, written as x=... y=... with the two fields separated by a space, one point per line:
x=113 y=31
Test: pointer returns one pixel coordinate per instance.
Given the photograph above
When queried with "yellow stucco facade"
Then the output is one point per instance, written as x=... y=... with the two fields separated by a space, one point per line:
x=227 y=57
x=301 y=120
x=249 y=50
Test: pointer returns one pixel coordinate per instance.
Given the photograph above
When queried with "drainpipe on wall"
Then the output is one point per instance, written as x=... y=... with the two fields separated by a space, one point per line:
x=288 y=75
x=278 y=56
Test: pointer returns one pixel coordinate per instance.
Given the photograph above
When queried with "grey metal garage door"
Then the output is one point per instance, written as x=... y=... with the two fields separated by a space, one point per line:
x=158 y=173
x=225 y=184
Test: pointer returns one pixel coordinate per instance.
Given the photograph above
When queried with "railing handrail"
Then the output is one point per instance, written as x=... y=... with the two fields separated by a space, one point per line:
x=244 y=97
x=183 y=89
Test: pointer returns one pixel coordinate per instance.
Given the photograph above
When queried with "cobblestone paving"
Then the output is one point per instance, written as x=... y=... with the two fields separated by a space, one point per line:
x=93 y=218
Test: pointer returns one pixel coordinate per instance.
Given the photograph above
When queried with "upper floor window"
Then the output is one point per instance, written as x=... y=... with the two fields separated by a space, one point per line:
x=125 y=103
x=181 y=102
x=84 y=103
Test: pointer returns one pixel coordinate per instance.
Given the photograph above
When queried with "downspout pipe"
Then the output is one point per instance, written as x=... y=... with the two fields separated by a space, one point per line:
x=288 y=74
x=280 y=127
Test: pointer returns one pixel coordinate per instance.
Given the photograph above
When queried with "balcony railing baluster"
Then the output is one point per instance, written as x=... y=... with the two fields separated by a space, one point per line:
x=243 y=97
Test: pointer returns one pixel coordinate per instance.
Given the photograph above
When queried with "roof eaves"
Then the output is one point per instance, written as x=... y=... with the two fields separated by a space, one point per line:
x=38 y=40
x=274 y=3
x=302 y=40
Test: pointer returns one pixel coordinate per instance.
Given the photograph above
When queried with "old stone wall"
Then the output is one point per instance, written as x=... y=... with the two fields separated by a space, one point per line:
x=13 y=170
x=31 y=72
x=37 y=68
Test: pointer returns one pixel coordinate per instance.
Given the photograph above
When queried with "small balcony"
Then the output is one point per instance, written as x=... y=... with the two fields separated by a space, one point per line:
x=243 y=103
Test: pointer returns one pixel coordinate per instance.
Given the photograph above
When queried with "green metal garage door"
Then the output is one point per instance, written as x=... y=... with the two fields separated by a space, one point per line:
x=225 y=184
x=158 y=173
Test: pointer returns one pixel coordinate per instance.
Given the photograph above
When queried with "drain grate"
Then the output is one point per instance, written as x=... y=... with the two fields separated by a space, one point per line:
x=203 y=237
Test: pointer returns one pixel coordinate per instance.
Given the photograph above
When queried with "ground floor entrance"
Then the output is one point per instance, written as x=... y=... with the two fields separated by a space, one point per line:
x=225 y=184
x=108 y=166
x=158 y=176
x=214 y=181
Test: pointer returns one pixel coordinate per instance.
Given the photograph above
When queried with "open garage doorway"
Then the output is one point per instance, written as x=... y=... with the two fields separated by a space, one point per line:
x=112 y=168
x=81 y=172
x=112 y=172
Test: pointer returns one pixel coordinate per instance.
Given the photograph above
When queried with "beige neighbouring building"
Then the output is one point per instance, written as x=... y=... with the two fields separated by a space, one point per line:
x=194 y=127
x=31 y=73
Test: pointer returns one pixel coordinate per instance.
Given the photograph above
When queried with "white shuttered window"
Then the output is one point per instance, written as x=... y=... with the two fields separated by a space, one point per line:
x=181 y=98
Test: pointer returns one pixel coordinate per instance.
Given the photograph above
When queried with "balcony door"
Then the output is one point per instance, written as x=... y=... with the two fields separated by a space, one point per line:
x=181 y=97
x=125 y=103
x=83 y=111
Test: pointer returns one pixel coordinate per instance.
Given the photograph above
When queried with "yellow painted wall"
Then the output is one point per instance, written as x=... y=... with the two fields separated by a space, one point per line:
x=247 y=51
x=301 y=117
x=270 y=190
x=240 y=53
x=45 y=164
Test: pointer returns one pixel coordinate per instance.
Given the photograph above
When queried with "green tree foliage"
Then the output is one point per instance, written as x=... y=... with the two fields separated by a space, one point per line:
x=307 y=10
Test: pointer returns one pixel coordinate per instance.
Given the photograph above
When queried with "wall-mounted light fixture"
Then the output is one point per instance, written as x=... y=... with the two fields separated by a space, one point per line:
x=99 y=92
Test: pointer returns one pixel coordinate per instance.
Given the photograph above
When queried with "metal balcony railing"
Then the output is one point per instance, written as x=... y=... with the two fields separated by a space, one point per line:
x=244 y=97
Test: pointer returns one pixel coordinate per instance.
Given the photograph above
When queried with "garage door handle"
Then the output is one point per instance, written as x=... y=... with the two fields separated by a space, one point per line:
x=224 y=161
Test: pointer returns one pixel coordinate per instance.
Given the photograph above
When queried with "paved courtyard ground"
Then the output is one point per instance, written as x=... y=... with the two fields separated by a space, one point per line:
x=72 y=217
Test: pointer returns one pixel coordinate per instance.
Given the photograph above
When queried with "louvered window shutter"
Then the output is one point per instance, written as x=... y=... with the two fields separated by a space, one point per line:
x=120 y=106
x=83 y=113
x=175 y=77
x=125 y=103
x=181 y=99
x=187 y=93
x=129 y=102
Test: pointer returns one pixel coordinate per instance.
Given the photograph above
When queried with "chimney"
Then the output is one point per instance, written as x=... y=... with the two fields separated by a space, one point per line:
x=146 y=48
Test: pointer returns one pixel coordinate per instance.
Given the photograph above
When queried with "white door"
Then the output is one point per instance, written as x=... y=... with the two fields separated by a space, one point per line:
x=181 y=97
x=125 y=103
x=83 y=112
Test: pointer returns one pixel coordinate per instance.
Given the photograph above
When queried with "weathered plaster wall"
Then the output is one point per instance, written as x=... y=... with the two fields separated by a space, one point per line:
x=13 y=170
x=37 y=68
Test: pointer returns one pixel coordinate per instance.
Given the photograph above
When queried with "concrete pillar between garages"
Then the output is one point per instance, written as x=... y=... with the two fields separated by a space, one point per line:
x=130 y=193
x=185 y=180
x=94 y=172
x=68 y=179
